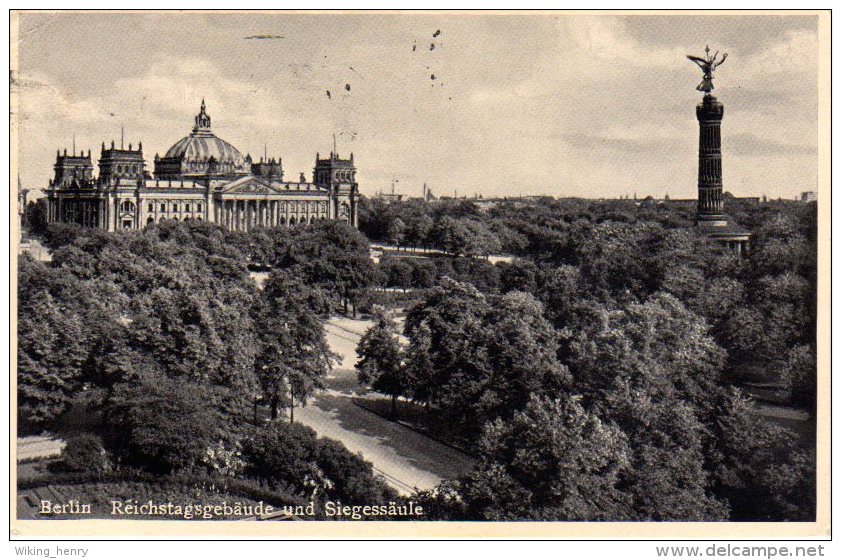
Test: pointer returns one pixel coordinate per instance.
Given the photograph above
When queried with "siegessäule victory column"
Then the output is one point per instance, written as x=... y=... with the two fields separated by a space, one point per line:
x=711 y=219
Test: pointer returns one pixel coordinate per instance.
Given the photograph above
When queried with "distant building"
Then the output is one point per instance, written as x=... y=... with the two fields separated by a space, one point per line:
x=809 y=196
x=389 y=197
x=201 y=177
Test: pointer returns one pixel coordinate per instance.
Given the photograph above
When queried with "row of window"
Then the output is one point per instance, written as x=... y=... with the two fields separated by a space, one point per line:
x=128 y=206
x=302 y=206
x=339 y=176
x=128 y=169
x=175 y=207
x=151 y=219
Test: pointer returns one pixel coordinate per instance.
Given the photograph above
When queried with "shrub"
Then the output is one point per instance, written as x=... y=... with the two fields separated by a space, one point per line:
x=162 y=425
x=83 y=453
x=283 y=455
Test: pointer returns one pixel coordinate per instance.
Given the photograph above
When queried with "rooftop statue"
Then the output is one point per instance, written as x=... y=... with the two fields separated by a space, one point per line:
x=707 y=64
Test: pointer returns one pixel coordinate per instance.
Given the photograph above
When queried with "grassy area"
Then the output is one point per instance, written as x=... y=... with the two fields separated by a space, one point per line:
x=416 y=417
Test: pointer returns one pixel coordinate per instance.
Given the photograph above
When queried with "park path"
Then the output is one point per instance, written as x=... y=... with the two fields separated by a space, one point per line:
x=377 y=250
x=406 y=459
x=30 y=448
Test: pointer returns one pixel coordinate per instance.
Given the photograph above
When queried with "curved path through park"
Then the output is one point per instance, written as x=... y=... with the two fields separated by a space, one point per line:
x=406 y=459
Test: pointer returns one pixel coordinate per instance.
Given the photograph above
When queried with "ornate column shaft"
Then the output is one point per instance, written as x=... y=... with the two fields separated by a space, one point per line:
x=710 y=186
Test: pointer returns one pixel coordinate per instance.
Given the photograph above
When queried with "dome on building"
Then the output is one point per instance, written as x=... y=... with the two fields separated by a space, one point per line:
x=191 y=154
x=202 y=148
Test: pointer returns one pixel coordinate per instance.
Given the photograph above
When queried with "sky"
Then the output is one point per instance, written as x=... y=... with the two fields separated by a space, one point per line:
x=585 y=105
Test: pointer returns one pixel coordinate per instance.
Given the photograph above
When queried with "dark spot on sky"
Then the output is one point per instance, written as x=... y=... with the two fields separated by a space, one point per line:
x=328 y=94
x=432 y=77
x=414 y=47
x=347 y=87
x=432 y=46
x=436 y=33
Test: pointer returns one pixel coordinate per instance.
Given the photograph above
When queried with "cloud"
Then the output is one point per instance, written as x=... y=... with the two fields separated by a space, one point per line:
x=606 y=38
x=794 y=54
x=569 y=105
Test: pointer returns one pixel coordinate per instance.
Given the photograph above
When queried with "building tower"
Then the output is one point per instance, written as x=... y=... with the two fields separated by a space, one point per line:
x=118 y=165
x=72 y=169
x=710 y=216
x=338 y=177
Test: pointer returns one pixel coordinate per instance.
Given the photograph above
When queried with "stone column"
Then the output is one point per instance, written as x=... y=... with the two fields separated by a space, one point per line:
x=710 y=201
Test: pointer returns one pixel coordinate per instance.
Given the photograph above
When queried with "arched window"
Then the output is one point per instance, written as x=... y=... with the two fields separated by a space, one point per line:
x=198 y=207
x=292 y=221
x=127 y=206
x=163 y=207
x=187 y=207
x=283 y=220
x=150 y=220
x=151 y=207
x=312 y=220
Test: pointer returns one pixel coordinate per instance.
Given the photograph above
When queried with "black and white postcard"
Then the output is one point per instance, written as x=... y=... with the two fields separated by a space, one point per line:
x=420 y=274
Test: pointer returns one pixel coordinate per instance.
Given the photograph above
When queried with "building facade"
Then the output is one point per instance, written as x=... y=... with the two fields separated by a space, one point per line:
x=201 y=177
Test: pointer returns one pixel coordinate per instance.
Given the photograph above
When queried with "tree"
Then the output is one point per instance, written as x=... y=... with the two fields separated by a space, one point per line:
x=418 y=230
x=451 y=235
x=551 y=461
x=52 y=348
x=778 y=247
x=380 y=362
x=336 y=257
x=666 y=478
x=294 y=356
x=759 y=469
x=800 y=375
x=398 y=272
x=658 y=345
x=423 y=274
x=481 y=241
x=163 y=425
x=396 y=232
x=447 y=323
x=520 y=275
x=59 y=234
x=475 y=357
